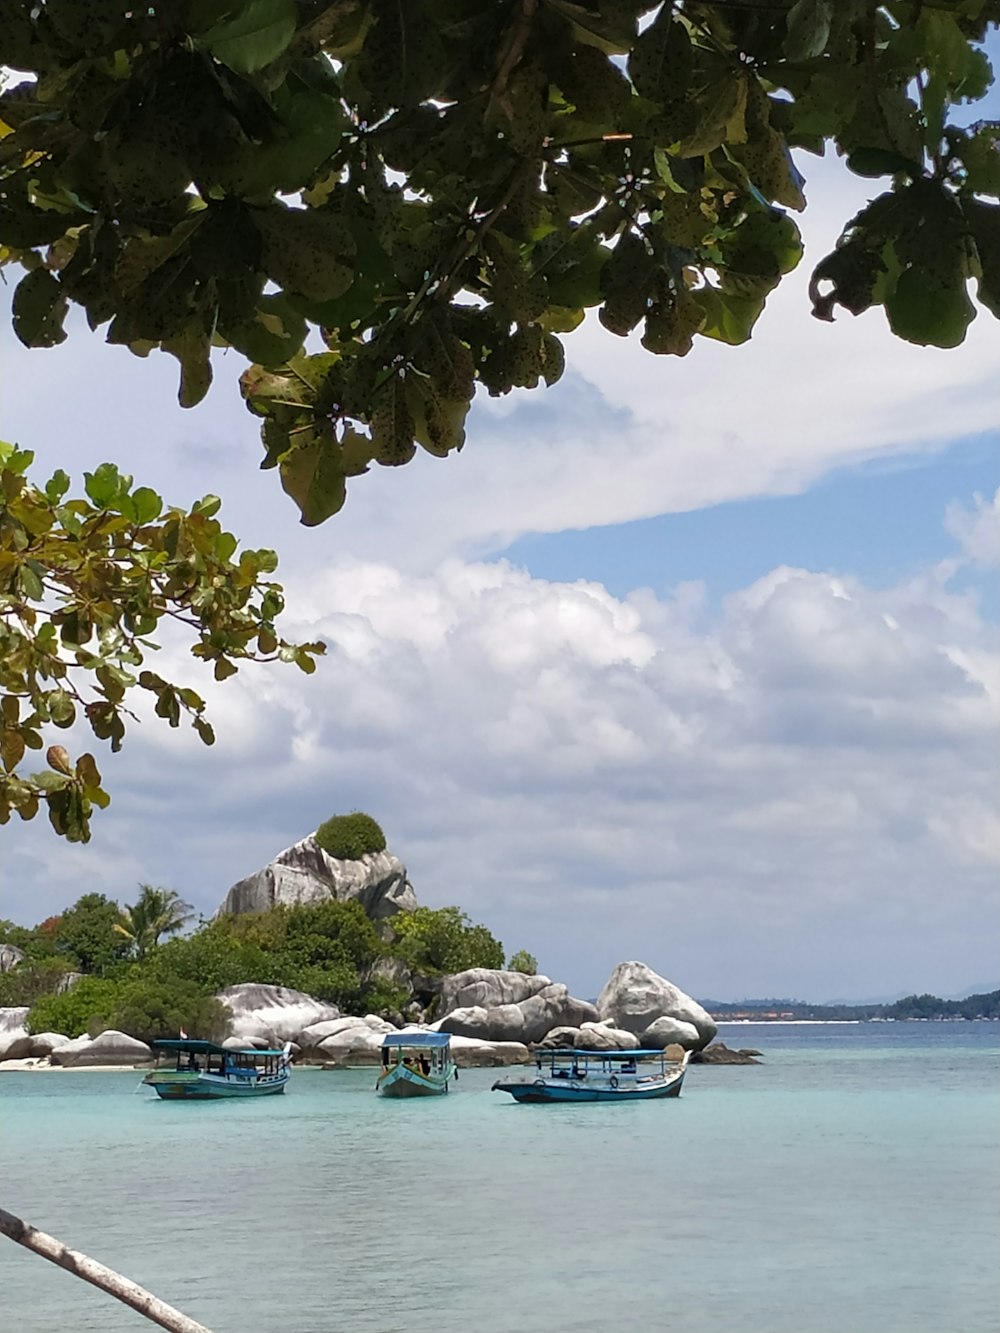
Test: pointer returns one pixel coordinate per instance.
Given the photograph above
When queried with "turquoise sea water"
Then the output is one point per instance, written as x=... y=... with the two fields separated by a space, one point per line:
x=850 y=1184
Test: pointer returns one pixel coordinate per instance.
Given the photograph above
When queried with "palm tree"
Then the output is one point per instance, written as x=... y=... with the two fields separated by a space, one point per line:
x=156 y=912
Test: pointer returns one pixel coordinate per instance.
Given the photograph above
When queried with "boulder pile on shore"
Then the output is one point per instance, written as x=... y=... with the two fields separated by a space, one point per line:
x=494 y=1017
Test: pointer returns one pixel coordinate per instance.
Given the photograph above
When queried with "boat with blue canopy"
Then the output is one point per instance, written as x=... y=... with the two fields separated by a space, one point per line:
x=568 y=1075
x=415 y=1064
x=201 y=1069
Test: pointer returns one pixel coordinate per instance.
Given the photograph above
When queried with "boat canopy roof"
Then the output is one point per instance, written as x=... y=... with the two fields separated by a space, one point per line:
x=570 y=1051
x=432 y=1039
x=198 y=1047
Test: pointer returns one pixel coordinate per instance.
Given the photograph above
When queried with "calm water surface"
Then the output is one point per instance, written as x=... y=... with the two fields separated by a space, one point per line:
x=850 y=1184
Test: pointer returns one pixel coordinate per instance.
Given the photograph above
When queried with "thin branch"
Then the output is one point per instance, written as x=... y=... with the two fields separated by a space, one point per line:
x=122 y=1288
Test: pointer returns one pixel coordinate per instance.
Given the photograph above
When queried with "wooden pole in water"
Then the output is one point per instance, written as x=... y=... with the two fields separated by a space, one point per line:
x=98 y=1275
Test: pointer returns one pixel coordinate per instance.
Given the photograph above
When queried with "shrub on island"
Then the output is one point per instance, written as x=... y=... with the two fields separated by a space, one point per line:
x=444 y=940
x=350 y=837
x=523 y=962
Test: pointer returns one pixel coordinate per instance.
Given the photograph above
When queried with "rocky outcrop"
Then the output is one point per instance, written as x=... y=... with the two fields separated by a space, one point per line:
x=605 y=1037
x=487 y=988
x=667 y=1031
x=720 y=1054
x=273 y=1013
x=305 y=873
x=508 y=1006
x=15 y=1043
x=10 y=956
x=635 y=997
x=590 y=1037
x=361 y=1044
x=44 y=1043
x=109 y=1048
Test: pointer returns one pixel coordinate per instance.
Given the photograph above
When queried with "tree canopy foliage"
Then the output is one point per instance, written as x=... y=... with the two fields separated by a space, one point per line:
x=331 y=950
x=84 y=583
x=156 y=912
x=440 y=189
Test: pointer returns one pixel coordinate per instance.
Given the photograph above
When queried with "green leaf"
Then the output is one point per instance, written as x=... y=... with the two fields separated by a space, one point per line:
x=62 y=710
x=31 y=585
x=57 y=486
x=39 y=308
x=729 y=319
x=147 y=504
x=874 y=162
x=308 y=251
x=659 y=63
x=392 y=425
x=931 y=309
x=256 y=35
x=721 y=110
x=191 y=348
x=984 y=224
x=311 y=475
x=103 y=485
x=807 y=28
x=980 y=154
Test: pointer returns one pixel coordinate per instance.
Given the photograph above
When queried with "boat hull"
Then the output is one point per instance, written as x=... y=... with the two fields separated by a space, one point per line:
x=198 y=1087
x=402 y=1082
x=555 y=1090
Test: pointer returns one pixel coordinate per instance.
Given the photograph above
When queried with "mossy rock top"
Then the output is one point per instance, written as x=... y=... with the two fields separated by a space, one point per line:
x=350 y=837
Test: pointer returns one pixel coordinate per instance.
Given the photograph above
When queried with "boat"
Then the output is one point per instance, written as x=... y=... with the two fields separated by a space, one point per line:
x=415 y=1064
x=203 y=1070
x=567 y=1075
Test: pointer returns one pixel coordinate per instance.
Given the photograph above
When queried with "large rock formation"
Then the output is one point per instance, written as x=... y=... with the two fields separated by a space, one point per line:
x=44 y=1043
x=10 y=956
x=495 y=1006
x=487 y=988
x=273 y=1013
x=15 y=1043
x=109 y=1048
x=635 y=997
x=305 y=873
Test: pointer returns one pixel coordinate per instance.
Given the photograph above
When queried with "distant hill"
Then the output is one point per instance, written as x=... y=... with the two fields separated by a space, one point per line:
x=983 y=1004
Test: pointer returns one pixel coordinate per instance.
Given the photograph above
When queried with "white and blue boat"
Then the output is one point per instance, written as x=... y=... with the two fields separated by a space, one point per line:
x=415 y=1064
x=569 y=1075
x=204 y=1070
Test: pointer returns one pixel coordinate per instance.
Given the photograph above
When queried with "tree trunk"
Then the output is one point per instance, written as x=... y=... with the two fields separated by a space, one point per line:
x=91 y=1271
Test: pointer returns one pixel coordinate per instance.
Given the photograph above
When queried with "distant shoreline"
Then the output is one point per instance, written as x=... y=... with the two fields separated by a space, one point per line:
x=836 y=1022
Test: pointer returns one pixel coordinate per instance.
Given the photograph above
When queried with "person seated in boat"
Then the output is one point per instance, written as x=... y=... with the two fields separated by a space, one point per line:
x=425 y=1065
x=628 y=1067
x=192 y=1061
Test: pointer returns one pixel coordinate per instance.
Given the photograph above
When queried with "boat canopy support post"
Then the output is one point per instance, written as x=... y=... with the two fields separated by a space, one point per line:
x=122 y=1288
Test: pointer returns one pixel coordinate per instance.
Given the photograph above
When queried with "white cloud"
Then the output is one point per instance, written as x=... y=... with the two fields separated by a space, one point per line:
x=977 y=530
x=599 y=778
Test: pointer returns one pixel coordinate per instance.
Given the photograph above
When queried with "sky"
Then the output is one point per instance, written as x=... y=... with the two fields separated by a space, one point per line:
x=692 y=660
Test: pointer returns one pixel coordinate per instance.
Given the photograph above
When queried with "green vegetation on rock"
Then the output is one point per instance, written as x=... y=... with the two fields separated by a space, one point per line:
x=444 y=940
x=331 y=950
x=350 y=837
x=523 y=961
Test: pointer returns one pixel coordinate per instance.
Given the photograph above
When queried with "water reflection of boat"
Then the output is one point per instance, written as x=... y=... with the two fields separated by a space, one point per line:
x=202 y=1070
x=600 y=1076
x=415 y=1064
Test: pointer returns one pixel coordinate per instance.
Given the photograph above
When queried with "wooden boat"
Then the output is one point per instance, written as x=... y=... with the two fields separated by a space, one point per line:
x=203 y=1070
x=415 y=1064
x=600 y=1076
